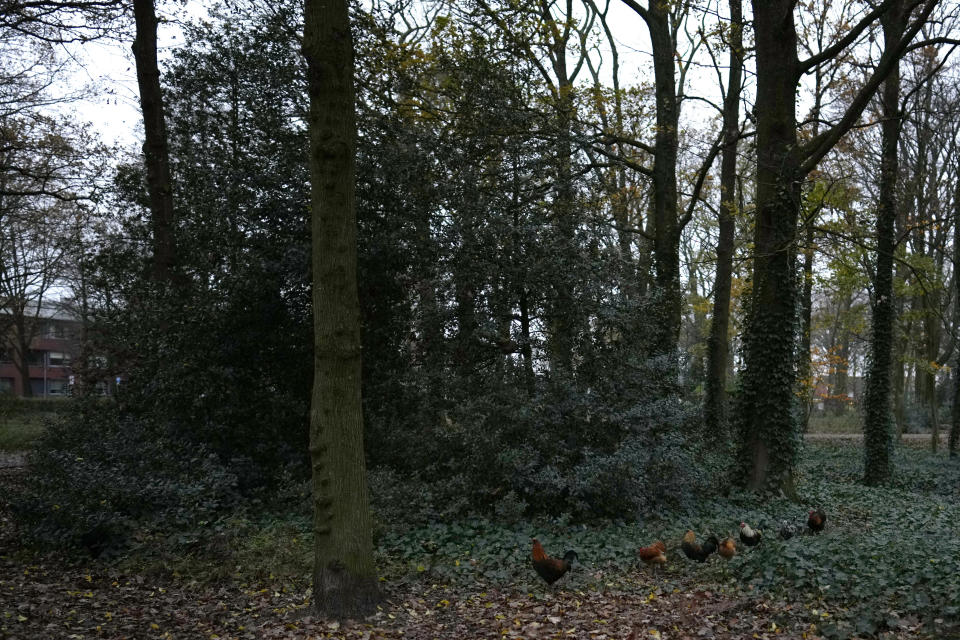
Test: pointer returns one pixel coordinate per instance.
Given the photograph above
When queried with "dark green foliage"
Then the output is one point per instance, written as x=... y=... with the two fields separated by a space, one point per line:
x=225 y=361
x=468 y=406
x=133 y=479
x=469 y=257
x=216 y=372
x=888 y=556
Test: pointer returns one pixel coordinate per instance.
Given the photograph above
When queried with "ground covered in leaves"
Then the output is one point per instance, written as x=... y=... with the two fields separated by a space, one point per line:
x=888 y=566
x=49 y=600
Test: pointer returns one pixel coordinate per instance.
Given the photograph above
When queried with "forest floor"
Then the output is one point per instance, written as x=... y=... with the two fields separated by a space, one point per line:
x=480 y=584
x=49 y=600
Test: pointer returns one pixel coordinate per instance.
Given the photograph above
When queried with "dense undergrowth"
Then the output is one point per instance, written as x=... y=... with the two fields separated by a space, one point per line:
x=889 y=557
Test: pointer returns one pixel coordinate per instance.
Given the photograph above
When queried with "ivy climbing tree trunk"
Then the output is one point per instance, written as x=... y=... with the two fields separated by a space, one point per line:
x=768 y=434
x=155 y=147
x=955 y=417
x=344 y=575
x=878 y=414
x=768 y=437
x=718 y=344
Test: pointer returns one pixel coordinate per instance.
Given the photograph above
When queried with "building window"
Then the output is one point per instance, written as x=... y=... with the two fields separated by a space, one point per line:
x=54 y=330
x=57 y=387
x=35 y=358
x=58 y=359
x=6 y=385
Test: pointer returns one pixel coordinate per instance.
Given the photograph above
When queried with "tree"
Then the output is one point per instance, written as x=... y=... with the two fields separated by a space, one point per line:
x=769 y=440
x=955 y=418
x=663 y=23
x=48 y=167
x=60 y=21
x=718 y=345
x=878 y=417
x=155 y=148
x=32 y=247
x=344 y=576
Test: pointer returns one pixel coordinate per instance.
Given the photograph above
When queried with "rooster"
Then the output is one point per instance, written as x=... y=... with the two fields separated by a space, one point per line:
x=748 y=536
x=817 y=520
x=727 y=548
x=551 y=569
x=654 y=554
x=695 y=551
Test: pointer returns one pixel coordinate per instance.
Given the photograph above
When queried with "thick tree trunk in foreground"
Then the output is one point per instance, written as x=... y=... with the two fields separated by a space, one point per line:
x=344 y=575
x=155 y=148
x=768 y=436
x=878 y=415
x=718 y=344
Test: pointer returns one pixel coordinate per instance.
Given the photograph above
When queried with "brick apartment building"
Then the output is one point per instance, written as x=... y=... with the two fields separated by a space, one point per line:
x=51 y=352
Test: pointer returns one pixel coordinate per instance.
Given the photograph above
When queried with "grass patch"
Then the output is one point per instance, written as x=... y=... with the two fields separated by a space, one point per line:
x=23 y=420
x=828 y=423
x=20 y=431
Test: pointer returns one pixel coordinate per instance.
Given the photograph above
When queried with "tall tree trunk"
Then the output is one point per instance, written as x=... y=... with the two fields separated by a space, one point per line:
x=155 y=148
x=23 y=336
x=878 y=423
x=955 y=418
x=665 y=212
x=666 y=239
x=718 y=343
x=563 y=310
x=344 y=575
x=841 y=359
x=564 y=317
x=806 y=313
x=768 y=436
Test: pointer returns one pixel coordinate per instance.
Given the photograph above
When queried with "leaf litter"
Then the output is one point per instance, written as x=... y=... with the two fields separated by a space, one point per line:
x=51 y=599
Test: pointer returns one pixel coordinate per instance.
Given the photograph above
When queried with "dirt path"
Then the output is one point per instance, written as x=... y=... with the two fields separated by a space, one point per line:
x=12 y=459
x=907 y=437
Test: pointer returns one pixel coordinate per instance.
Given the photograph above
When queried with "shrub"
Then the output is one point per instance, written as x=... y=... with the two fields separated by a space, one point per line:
x=623 y=446
x=96 y=481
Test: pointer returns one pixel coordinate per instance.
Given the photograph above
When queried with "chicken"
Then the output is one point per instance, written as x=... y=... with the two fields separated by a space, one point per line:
x=727 y=548
x=748 y=536
x=654 y=554
x=786 y=530
x=695 y=551
x=551 y=569
x=816 y=520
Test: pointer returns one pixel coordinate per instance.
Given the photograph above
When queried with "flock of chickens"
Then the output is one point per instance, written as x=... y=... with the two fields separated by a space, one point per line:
x=552 y=569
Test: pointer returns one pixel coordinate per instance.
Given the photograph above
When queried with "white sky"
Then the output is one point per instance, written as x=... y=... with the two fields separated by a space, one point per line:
x=106 y=69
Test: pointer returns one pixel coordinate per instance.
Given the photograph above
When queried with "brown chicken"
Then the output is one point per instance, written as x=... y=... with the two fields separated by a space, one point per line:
x=548 y=568
x=817 y=520
x=727 y=548
x=654 y=554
